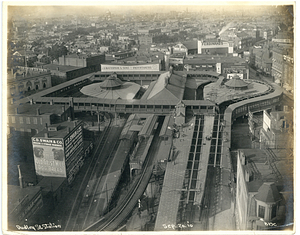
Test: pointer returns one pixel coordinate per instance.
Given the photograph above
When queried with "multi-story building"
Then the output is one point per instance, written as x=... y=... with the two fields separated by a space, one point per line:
x=228 y=66
x=82 y=60
x=260 y=197
x=278 y=53
x=243 y=40
x=288 y=71
x=215 y=47
x=58 y=150
x=24 y=79
x=187 y=48
x=277 y=131
x=31 y=119
x=263 y=59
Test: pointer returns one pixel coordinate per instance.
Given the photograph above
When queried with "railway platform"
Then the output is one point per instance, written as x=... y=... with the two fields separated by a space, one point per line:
x=173 y=181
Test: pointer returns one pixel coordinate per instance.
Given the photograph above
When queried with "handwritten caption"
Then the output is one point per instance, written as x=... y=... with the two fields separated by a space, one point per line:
x=38 y=226
x=270 y=224
x=174 y=226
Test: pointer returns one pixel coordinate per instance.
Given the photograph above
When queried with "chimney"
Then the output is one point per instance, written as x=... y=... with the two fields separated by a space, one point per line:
x=46 y=135
x=38 y=112
x=51 y=102
x=20 y=178
x=31 y=101
x=285 y=108
x=69 y=129
x=63 y=109
x=75 y=123
x=17 y=110
x=69 y=119
x=12 y=101
x=57 y=68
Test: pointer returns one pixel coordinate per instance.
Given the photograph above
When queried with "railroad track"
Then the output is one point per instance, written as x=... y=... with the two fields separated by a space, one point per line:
x=116 y=216
x=71 y=224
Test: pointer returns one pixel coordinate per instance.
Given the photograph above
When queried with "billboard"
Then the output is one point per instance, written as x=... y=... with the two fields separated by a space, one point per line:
x=231 y=75
x=49 y=157
x=129 y=68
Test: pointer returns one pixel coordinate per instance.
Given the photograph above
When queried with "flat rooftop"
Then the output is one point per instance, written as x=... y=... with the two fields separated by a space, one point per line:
x=259 y=157
x=60 y=68
x=62 y=129
x=31 y=110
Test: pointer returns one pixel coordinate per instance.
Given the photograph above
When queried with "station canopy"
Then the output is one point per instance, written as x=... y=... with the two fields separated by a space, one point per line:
x=236 y=83
x=112 y=88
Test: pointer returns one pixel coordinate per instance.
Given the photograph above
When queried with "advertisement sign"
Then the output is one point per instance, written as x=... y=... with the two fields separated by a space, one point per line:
x=128 y=68
x=49 y=157
x=231 y=75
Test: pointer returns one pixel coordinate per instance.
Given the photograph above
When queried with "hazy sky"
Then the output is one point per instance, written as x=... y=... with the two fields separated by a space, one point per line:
x=56 y=11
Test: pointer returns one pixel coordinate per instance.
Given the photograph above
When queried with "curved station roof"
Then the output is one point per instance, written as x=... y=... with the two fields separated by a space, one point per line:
x=111 y=82
x=236 y=82
x=112 y=88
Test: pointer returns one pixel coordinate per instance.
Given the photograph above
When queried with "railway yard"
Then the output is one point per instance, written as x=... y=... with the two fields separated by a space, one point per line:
x=147 y=173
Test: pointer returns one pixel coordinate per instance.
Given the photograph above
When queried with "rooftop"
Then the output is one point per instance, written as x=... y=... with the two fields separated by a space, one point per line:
x=168 y=86
x=126 y=91
x=111 y=82
x=257 y=163
x=60 y=68
x=31 y=110
x=203 y=58
x=218 y=93
x=63 y=129
x=236 y=82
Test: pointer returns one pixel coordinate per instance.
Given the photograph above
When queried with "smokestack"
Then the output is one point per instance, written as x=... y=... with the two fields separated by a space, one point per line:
x=20 y=178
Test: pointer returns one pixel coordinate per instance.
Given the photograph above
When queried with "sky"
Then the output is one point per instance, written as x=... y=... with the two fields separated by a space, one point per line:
x=56 y=10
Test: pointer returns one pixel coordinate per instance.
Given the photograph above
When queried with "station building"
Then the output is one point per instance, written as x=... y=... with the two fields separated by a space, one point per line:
x=58 y=150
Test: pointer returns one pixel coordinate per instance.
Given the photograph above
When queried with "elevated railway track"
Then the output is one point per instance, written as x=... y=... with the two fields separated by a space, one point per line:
x=116 y=216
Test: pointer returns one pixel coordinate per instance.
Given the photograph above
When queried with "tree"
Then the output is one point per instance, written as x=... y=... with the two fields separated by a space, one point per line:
x=57 y=51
